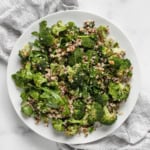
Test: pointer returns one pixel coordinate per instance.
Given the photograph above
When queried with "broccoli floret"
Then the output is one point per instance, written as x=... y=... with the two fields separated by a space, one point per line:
x=38 y=60
x=106 y=52
x=71 y=72
x=79 y=109
x=70 y=34
x=42 y=107
x=71 y=130
x=29 y=93
x=87 y=42
x=82 y=122
x=34 y=94
x=25 y=52
x=110 y=43
x=95 y=112
x=39 y=79
x=122 y=66
x=102 y=31
x=108 y=118
x=71 y=25
x=65 y=110
x=75 y=57
x=104 y=98
x=97 y=95
x=57 y=28
x=57 y=69
x=24 y=95
x=58 y=125
x=26 y=109
x=23 y=76
x=118 y=91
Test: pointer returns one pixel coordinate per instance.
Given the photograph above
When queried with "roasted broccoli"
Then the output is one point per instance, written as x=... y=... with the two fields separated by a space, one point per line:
x=26 y=109
x=95 y=112
x=25 y=52
x=39 y=61
x=58 y=125
x=34 y=94
x=23 y=76
x=123 y=66
x=39 y=79
x=118 y=91
x=102 y=31
x=57 y=28
x=79 y=109
x=71 y=130
x=108 y=118
x=106 y=52
x=82 y=122
x=87 y=42
x=65 y=110
x=104 y=99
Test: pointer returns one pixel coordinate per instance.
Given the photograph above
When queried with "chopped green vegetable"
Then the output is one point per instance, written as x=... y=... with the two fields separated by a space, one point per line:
x=79 y=109
x=108 y=118
x=118 y=91
x=87 y=42
x=58 y=125
x=27 y=109
x=38 y=79
x=104 y=98
x=59 y=27
x=34 y=94
x=75 y=57
x=95 y=112
x=23 y=76
x=102 y=31
x=71 y=130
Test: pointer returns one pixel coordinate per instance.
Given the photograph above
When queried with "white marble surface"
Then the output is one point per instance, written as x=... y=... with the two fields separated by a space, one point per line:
x=132 y=16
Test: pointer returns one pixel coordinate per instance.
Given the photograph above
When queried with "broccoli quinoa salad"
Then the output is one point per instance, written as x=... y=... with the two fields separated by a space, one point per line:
x=73 y=77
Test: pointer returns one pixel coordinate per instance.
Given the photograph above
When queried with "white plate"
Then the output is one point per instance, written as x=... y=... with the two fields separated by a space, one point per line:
x=78 y=17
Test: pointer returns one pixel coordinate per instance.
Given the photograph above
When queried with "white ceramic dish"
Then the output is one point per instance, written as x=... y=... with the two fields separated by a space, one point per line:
x=78 y=17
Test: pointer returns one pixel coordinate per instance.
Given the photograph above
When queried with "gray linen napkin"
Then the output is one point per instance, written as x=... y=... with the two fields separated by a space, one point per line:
x=16 y=16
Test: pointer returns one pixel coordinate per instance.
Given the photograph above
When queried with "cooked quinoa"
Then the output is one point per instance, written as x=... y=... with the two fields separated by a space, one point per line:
x=73 y=77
